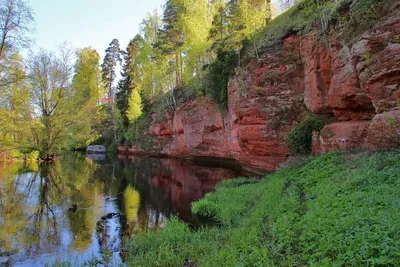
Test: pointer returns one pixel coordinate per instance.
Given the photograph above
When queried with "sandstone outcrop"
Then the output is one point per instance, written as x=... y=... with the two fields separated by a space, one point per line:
x=356 y=84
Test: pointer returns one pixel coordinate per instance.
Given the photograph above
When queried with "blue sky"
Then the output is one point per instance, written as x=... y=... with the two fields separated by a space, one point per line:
x=92 y=23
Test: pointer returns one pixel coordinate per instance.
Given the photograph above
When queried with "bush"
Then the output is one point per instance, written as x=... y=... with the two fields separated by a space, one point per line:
x=218 y=76
x=32 y=156
x=27 y=149
x=300 y=137
x=15 y=153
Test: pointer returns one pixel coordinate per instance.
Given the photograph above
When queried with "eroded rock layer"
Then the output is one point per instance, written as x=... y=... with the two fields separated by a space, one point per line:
x=355 y=84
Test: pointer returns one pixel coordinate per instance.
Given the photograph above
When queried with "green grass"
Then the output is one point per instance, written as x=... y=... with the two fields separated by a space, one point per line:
x=334 y=210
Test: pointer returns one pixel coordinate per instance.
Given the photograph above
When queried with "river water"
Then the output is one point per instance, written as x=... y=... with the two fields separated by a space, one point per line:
x=83 y=210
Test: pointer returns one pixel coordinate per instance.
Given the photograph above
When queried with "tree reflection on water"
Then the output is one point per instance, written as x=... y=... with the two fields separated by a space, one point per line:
x=78 y=209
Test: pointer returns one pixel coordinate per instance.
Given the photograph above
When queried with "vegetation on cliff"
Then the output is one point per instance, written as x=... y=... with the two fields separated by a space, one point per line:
x=333 y=210
x=194 y=62
x=300 y=137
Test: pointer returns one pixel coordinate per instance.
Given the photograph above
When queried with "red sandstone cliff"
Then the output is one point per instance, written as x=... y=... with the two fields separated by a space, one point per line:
x=356 y=84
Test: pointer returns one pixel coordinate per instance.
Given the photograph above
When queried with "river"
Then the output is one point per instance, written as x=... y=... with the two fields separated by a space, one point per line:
x=82 y=210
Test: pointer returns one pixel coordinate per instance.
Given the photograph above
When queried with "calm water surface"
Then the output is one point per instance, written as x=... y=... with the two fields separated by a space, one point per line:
x=82 y=210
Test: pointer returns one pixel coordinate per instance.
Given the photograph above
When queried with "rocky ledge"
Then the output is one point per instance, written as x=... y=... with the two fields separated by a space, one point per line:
x=356 y=84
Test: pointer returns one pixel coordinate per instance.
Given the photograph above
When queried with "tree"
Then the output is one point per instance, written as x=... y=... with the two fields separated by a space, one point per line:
x=196 y=22
x=87 y=89
x=87 y=78
x=16 y=123
x=171 y=37
x=128 y=81
x=135 y=107
x=253 y=14
x=246 y=17
x=150 y=26
x=152 y=63
x=15 y=22
x=52 y=96
x=15 y=19
x=10 y=72
x=219 y=28
x=112 y=57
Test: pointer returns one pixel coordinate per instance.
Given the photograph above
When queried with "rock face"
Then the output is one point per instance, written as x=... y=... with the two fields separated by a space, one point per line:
x=344 y=136
x=364 y=91
x=356 y=84
x=96 y=149
x=356 y=81
x=265 y=101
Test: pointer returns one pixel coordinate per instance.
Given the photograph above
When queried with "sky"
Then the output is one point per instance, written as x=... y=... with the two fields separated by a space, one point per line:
x=83 y=23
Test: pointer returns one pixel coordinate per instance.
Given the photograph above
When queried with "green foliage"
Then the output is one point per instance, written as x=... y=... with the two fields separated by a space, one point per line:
x=54 y=98
x=32 y=156
x=16 y=123
x=324 y=15
x=87 y=78
x=174 y=57
x=87 y=88
x=102 y=140
x=137 y=133
x=122 y=98
x=198 y=46
x=296 y=20
x=300 y=137
x=218 y=74
x=362 y=10
x=336 y=210
x=23 y=154
x=16 y=17
x=135 y=106
x=112 y=57
x=129 y=80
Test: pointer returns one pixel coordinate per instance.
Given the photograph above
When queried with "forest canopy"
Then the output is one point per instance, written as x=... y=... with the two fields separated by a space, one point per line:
x=66 y=99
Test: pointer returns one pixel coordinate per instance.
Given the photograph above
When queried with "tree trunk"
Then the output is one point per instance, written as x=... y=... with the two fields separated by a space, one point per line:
x=239 y=58
x=114 y=124
x=177 y=68
x=181 y=69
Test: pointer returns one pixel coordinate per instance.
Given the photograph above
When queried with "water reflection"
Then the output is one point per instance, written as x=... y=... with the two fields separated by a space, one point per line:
x=80 y=209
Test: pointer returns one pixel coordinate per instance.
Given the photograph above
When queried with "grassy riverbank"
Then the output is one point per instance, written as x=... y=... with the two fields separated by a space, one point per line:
x=336 y=209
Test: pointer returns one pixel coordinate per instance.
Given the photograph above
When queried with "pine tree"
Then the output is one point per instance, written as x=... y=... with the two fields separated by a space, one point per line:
x=128 y=80
x=112 y=57
x=219 y=29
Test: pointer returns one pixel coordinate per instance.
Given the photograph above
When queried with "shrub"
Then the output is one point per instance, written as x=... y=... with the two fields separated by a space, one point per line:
x=32 y=156
x=300 y=137
x=218 y=76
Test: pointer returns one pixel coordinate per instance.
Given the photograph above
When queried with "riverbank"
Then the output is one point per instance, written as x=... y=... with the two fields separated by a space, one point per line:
x=335 y=209
x=15 y=155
